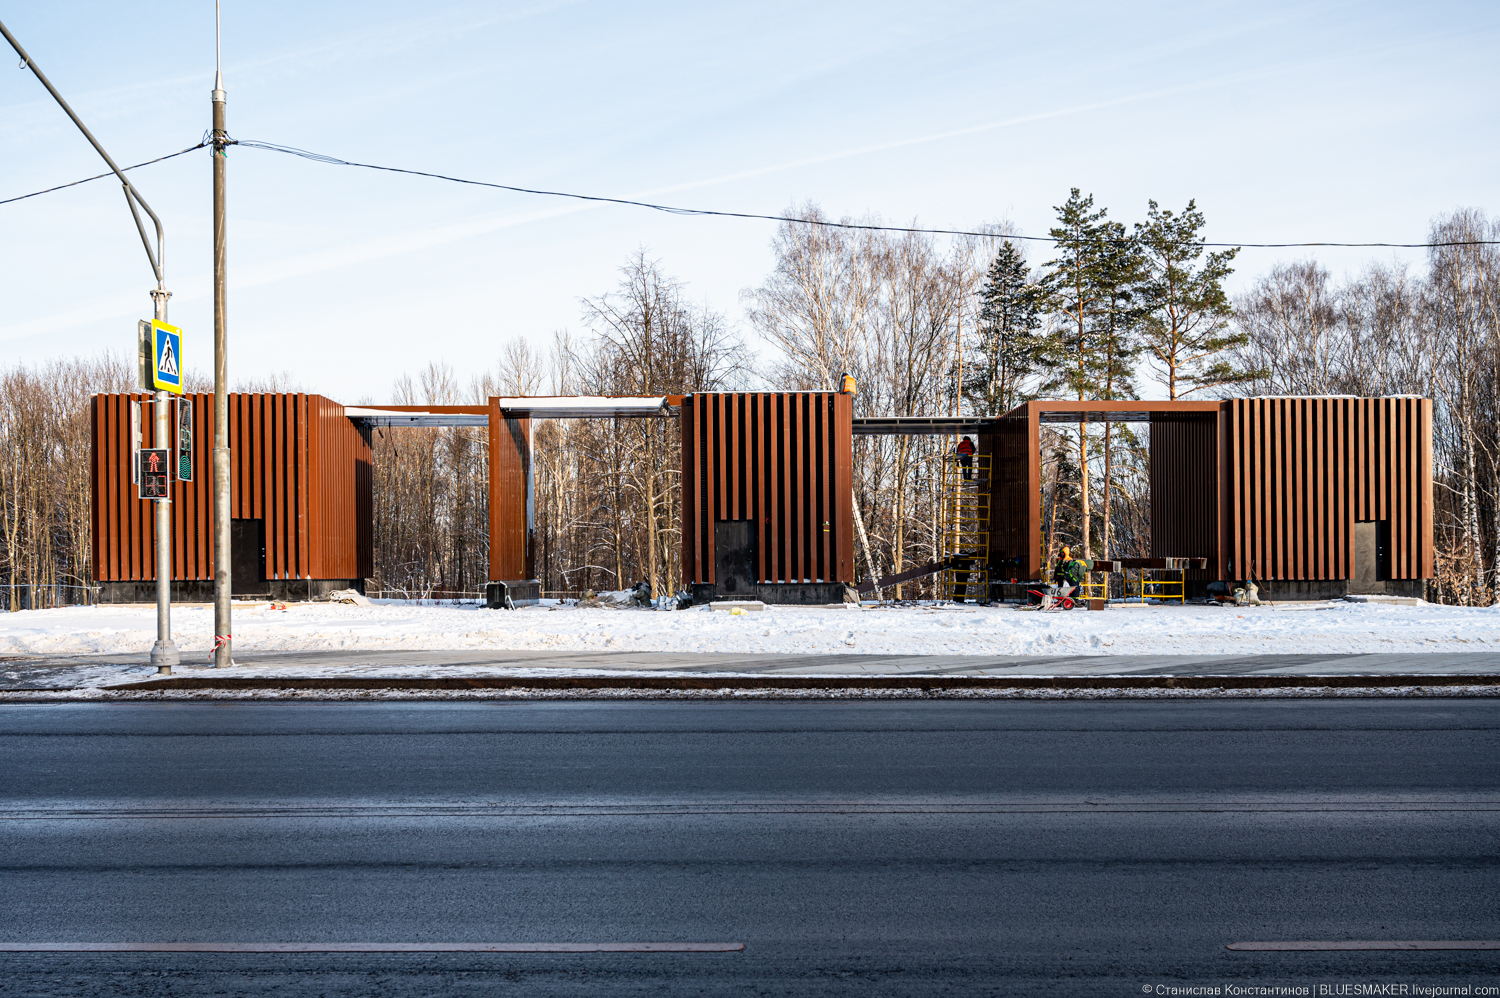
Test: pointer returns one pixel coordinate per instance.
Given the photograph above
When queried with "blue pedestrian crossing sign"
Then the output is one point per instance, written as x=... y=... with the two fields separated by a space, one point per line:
x=166 y=343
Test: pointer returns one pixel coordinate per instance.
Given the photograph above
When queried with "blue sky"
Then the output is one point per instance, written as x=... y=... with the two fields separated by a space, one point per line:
x=1336 y=121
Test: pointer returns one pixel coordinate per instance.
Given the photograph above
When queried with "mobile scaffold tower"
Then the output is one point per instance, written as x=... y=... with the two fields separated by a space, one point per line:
x=964 y=520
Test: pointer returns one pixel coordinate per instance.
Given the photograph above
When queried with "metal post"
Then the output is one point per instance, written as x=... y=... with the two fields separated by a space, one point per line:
x=164 y=652
x=222 y=554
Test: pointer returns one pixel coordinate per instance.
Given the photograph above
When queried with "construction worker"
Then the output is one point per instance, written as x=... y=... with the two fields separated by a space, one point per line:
x=965 y=451
x=1067 y=579
x=846 y=384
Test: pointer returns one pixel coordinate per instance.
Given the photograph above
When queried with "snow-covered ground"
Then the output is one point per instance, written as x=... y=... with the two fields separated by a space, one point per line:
x=1313 y=628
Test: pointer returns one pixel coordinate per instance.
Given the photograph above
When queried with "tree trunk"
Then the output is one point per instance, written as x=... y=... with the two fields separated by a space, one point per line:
x=1083 y=487
x=1108 y=468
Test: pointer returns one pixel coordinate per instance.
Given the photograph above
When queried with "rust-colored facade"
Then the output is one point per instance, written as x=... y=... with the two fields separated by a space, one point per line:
x=773 y=471
x=301 y=472
x=1285 y=490
x=1290 y=491
x=1302 y=473
x=512 y=514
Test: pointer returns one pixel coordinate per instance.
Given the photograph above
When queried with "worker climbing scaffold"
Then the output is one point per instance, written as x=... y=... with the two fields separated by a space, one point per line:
x=964 y=519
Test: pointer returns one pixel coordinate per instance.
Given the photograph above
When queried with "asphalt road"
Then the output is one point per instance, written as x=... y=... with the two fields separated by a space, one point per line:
x=885 y=848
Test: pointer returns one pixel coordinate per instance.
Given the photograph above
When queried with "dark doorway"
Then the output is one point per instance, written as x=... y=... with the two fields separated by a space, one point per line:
x=247 y=566
x=1371 y=555
x=734 y=556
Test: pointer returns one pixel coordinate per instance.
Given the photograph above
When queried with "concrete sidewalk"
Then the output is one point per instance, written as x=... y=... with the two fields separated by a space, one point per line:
x=94 y=671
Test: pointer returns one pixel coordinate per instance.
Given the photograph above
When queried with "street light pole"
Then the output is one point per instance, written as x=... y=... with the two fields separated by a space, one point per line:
x=164 y=652
x=222 y=554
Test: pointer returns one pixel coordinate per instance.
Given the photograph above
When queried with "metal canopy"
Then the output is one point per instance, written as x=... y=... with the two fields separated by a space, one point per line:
x=917 y=426
x=533 y=407
x=587 y=406
x=371 y=416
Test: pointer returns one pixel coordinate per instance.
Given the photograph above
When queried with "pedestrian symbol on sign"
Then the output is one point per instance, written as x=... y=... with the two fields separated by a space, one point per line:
x=168 y=363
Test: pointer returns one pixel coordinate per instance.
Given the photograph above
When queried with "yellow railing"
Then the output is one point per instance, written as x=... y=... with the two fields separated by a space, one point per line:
x=1095 y=585
x=1156 y=583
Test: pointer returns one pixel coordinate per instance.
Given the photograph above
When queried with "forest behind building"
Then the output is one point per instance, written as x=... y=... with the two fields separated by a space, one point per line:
x=928 y=325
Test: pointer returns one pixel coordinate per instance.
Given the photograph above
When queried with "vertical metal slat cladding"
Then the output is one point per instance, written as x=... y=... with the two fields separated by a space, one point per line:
x=510 y=459
x=271 y=479
x=1184 y=482
x=1307 y=469
x=689 y=493
x=784 y=460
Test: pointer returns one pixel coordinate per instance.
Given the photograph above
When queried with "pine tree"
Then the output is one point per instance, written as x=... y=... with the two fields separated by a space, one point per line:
x=1117 y=332
x=1075 y=358
x=1187 y=324
x=1010 y=308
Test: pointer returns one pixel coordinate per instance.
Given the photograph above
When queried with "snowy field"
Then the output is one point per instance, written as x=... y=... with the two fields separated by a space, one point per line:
x=1310 y=628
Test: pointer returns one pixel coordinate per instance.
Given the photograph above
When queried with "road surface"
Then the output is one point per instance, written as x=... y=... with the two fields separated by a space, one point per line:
x=886 y=848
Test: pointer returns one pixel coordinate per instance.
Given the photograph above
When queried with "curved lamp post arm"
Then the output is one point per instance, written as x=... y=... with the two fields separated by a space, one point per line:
x=132 y=196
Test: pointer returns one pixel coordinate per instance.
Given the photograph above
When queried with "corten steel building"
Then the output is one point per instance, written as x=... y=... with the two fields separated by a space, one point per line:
x=767 y=494
x=300 y=499
x=1308 y=497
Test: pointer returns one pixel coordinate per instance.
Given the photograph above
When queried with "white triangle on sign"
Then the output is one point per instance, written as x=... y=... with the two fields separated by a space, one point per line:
x=168 y=365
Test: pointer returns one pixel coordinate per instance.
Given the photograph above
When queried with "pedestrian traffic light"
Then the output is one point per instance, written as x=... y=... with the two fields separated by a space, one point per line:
x=156 y=473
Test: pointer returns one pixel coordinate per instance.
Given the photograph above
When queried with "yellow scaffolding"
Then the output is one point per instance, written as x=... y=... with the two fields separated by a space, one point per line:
x=963 y=523
x=1157 y=583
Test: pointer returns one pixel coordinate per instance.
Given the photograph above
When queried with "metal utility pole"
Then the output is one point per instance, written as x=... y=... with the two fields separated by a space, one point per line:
x=222 y=555
x=164 y=652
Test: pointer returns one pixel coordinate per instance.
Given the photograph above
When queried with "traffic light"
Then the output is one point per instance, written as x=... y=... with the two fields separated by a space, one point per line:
x=185 y=440
x=156 y=473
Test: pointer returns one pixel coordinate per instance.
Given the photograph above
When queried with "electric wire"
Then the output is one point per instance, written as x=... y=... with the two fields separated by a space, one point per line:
x=107 y=173
x=705 y=212
x=335 y=161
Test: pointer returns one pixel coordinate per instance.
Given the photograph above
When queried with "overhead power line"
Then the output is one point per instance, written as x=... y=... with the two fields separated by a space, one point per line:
x=677 y=210
x=101 y=176
x=335 y=161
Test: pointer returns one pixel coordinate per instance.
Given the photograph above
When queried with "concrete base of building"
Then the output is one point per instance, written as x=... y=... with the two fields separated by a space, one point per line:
x=780 y=593
x=1293 y=590
x=520 y=592
x=1413 y=588
x=202 y=590
x=1317 y=590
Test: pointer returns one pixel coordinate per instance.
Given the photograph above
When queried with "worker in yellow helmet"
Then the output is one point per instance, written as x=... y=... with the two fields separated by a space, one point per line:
x=1067 y=579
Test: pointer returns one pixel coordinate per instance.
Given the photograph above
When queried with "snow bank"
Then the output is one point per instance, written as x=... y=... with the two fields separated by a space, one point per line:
x=1321 y=628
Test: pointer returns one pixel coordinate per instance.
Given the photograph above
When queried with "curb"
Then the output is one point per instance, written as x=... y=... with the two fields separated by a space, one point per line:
x=873 y=683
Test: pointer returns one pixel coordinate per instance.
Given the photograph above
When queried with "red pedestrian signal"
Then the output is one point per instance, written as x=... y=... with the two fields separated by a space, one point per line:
x=156 y=473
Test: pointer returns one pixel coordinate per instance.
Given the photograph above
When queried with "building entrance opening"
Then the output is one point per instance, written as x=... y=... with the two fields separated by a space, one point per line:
x=1372 y=565
x=247 y=568
x=734 y=557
